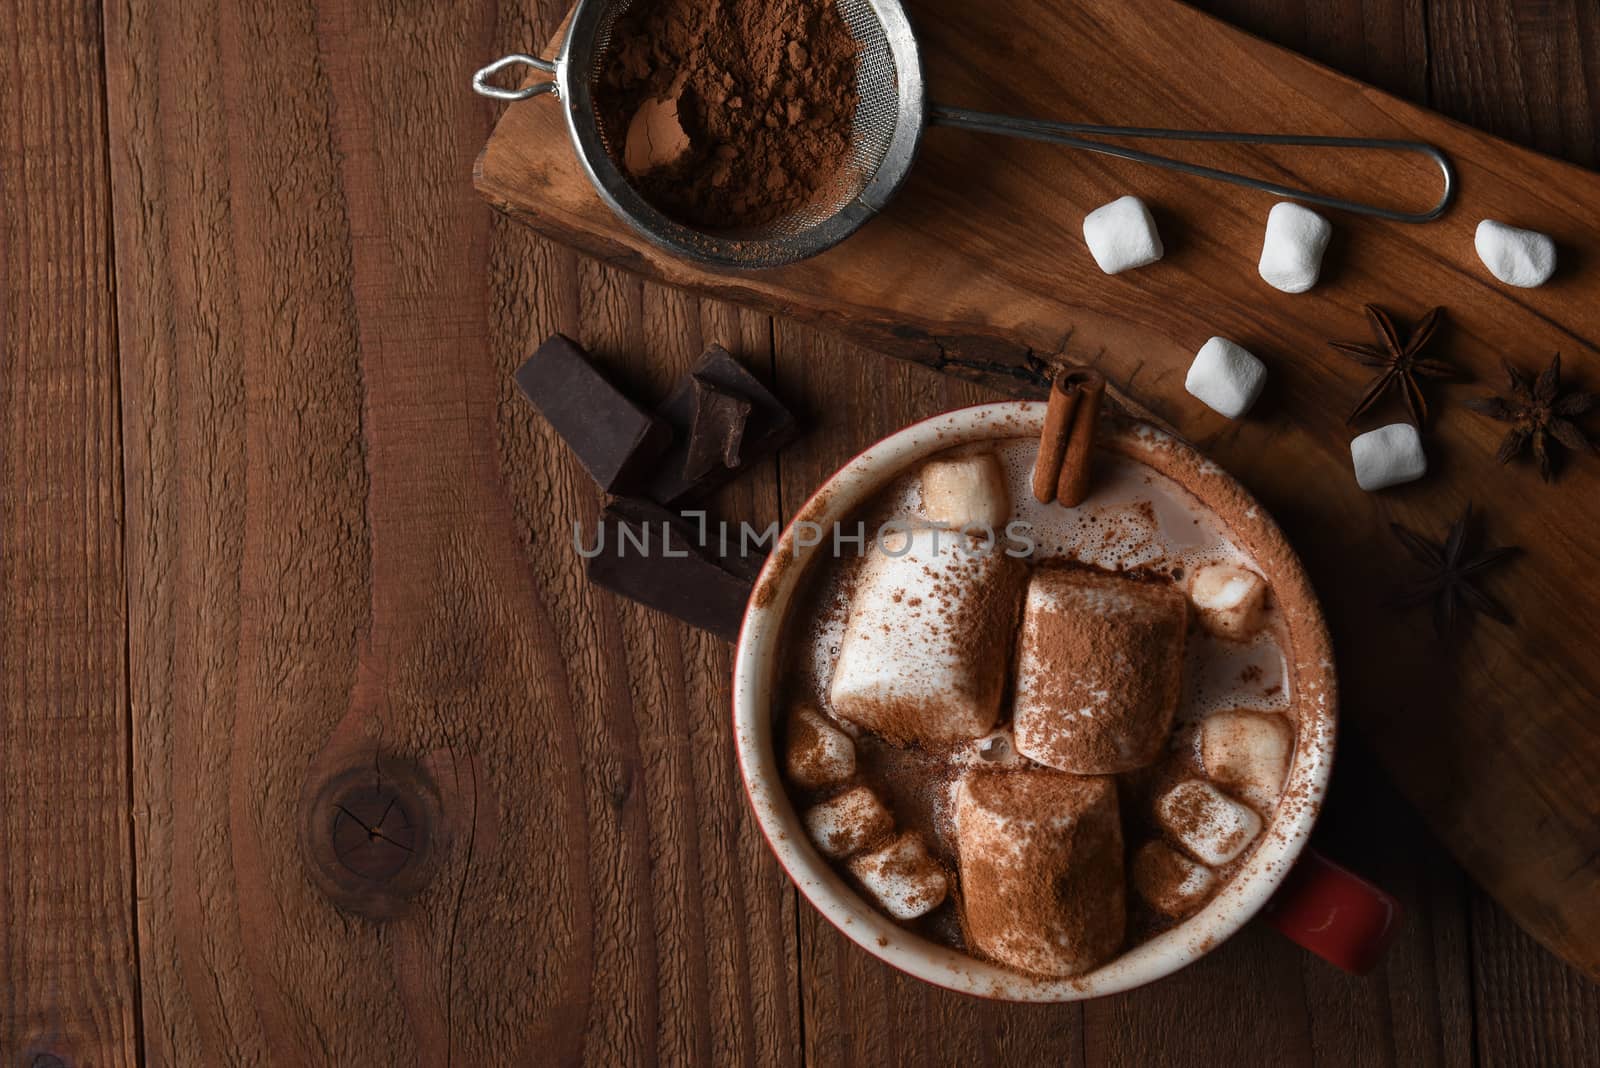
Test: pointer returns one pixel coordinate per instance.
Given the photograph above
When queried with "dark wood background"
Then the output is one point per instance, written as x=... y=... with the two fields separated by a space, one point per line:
x=271 y=511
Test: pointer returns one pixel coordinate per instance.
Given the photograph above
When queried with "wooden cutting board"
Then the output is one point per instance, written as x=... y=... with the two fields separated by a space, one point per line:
x=978 y=268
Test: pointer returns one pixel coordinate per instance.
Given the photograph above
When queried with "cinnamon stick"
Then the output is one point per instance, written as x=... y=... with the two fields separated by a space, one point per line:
x=1053 y=440
x=1090 y=387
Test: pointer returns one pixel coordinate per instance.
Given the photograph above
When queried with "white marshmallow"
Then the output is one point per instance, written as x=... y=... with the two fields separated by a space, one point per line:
x=1226 y=377
x=848 y=823
x=1213 y=827
x=1247 y=752
x=1388 y=456
x=816 y=752
x=927 y=641
x=901 y=876
x=1524 y=258
x=1230 y=600
x=1291 y=255
x=1122 y=235
x=966 y=492
x=1170 y=882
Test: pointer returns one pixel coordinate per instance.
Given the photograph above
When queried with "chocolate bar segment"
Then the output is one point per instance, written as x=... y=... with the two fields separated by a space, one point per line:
x=768 y=428
x=717 y=430
x=652 y=555
x=617 y=442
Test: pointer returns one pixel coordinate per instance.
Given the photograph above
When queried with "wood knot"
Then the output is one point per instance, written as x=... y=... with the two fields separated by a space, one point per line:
x=369 y=834
x=46 y=1060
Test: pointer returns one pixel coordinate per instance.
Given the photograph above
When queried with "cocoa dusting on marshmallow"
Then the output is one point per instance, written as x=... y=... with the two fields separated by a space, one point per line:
x=1099 y=673
x=924 y=652
x=1169 y=882
x=1041 y=869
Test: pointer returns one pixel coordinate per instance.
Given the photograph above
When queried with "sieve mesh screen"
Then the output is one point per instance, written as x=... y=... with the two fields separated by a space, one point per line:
x=789 y=236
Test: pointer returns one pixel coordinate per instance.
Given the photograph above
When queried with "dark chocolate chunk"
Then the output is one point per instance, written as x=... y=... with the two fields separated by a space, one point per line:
x=654 y=556
x=769 y=427
x=716 y=430
x=618 y=442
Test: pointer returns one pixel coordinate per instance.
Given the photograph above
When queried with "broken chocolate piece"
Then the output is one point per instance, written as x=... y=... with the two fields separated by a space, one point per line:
x=617 y=442
x=716 y=431
x=652 y=555
x=769 y=427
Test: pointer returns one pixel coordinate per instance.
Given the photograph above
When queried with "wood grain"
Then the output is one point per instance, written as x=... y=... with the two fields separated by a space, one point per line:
x=68 y=967
x=342 y=546
x=947 y=278
x=348 y=549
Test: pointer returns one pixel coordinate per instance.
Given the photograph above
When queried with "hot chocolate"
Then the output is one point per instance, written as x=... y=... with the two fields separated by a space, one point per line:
x=1059 y=731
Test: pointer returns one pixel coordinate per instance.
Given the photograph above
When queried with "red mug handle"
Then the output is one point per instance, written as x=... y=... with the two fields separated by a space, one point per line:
x=1334 y=913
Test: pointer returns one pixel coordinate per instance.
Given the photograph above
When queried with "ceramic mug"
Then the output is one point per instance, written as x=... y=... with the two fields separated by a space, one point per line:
x=1319 y=904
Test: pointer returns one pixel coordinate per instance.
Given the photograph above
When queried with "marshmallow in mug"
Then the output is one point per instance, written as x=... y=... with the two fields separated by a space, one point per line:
x=1388 y=456
x=900 y=875
x=1522 y=258
x=965 y=492
x=1248 y=752
x=1226 y=376
x=1170 y=882
x=816 y=752
x=848 y=823
x=1291 y=255
x=1211 y=826
x=919 y=660
x=1122 y=235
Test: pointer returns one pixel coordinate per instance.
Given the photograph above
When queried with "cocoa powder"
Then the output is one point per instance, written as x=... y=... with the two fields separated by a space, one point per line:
x=729 y=113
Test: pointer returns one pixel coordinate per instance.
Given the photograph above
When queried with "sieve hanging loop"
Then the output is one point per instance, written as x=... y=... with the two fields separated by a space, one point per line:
x=1065 y=133
x=484 y=87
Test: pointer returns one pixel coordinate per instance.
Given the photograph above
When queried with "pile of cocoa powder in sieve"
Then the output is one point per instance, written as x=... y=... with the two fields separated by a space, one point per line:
x=729 y=113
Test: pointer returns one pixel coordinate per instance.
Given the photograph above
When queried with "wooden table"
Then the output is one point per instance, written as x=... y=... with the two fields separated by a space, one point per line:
x=276 y=534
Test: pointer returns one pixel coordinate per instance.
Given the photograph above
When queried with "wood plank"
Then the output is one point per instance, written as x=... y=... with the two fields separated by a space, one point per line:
x=946 y=278
x=1530 y=74
x=69 y=973
x=349 y=553
x=1529 y=1008
x=1526 y=72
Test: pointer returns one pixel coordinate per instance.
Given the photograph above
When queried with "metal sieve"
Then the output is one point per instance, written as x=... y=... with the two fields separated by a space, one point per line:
x=886 y=130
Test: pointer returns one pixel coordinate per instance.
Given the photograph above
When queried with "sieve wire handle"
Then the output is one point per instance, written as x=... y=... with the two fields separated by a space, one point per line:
x=484 y=87
x=1067 y=133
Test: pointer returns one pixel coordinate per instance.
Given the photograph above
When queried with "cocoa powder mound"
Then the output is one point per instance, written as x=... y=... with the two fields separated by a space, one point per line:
x=729 y=113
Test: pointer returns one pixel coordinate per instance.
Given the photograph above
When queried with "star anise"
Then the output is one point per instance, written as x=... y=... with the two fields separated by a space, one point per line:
x=1451 y=570
x=1399 y=363
x=1538 y=410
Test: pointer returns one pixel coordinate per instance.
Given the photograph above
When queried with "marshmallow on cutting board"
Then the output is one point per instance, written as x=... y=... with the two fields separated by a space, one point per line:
x=1226 y=377
x=1388 y=456
x=1522 y=258
x=1291 y=255
x=1122 y=235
